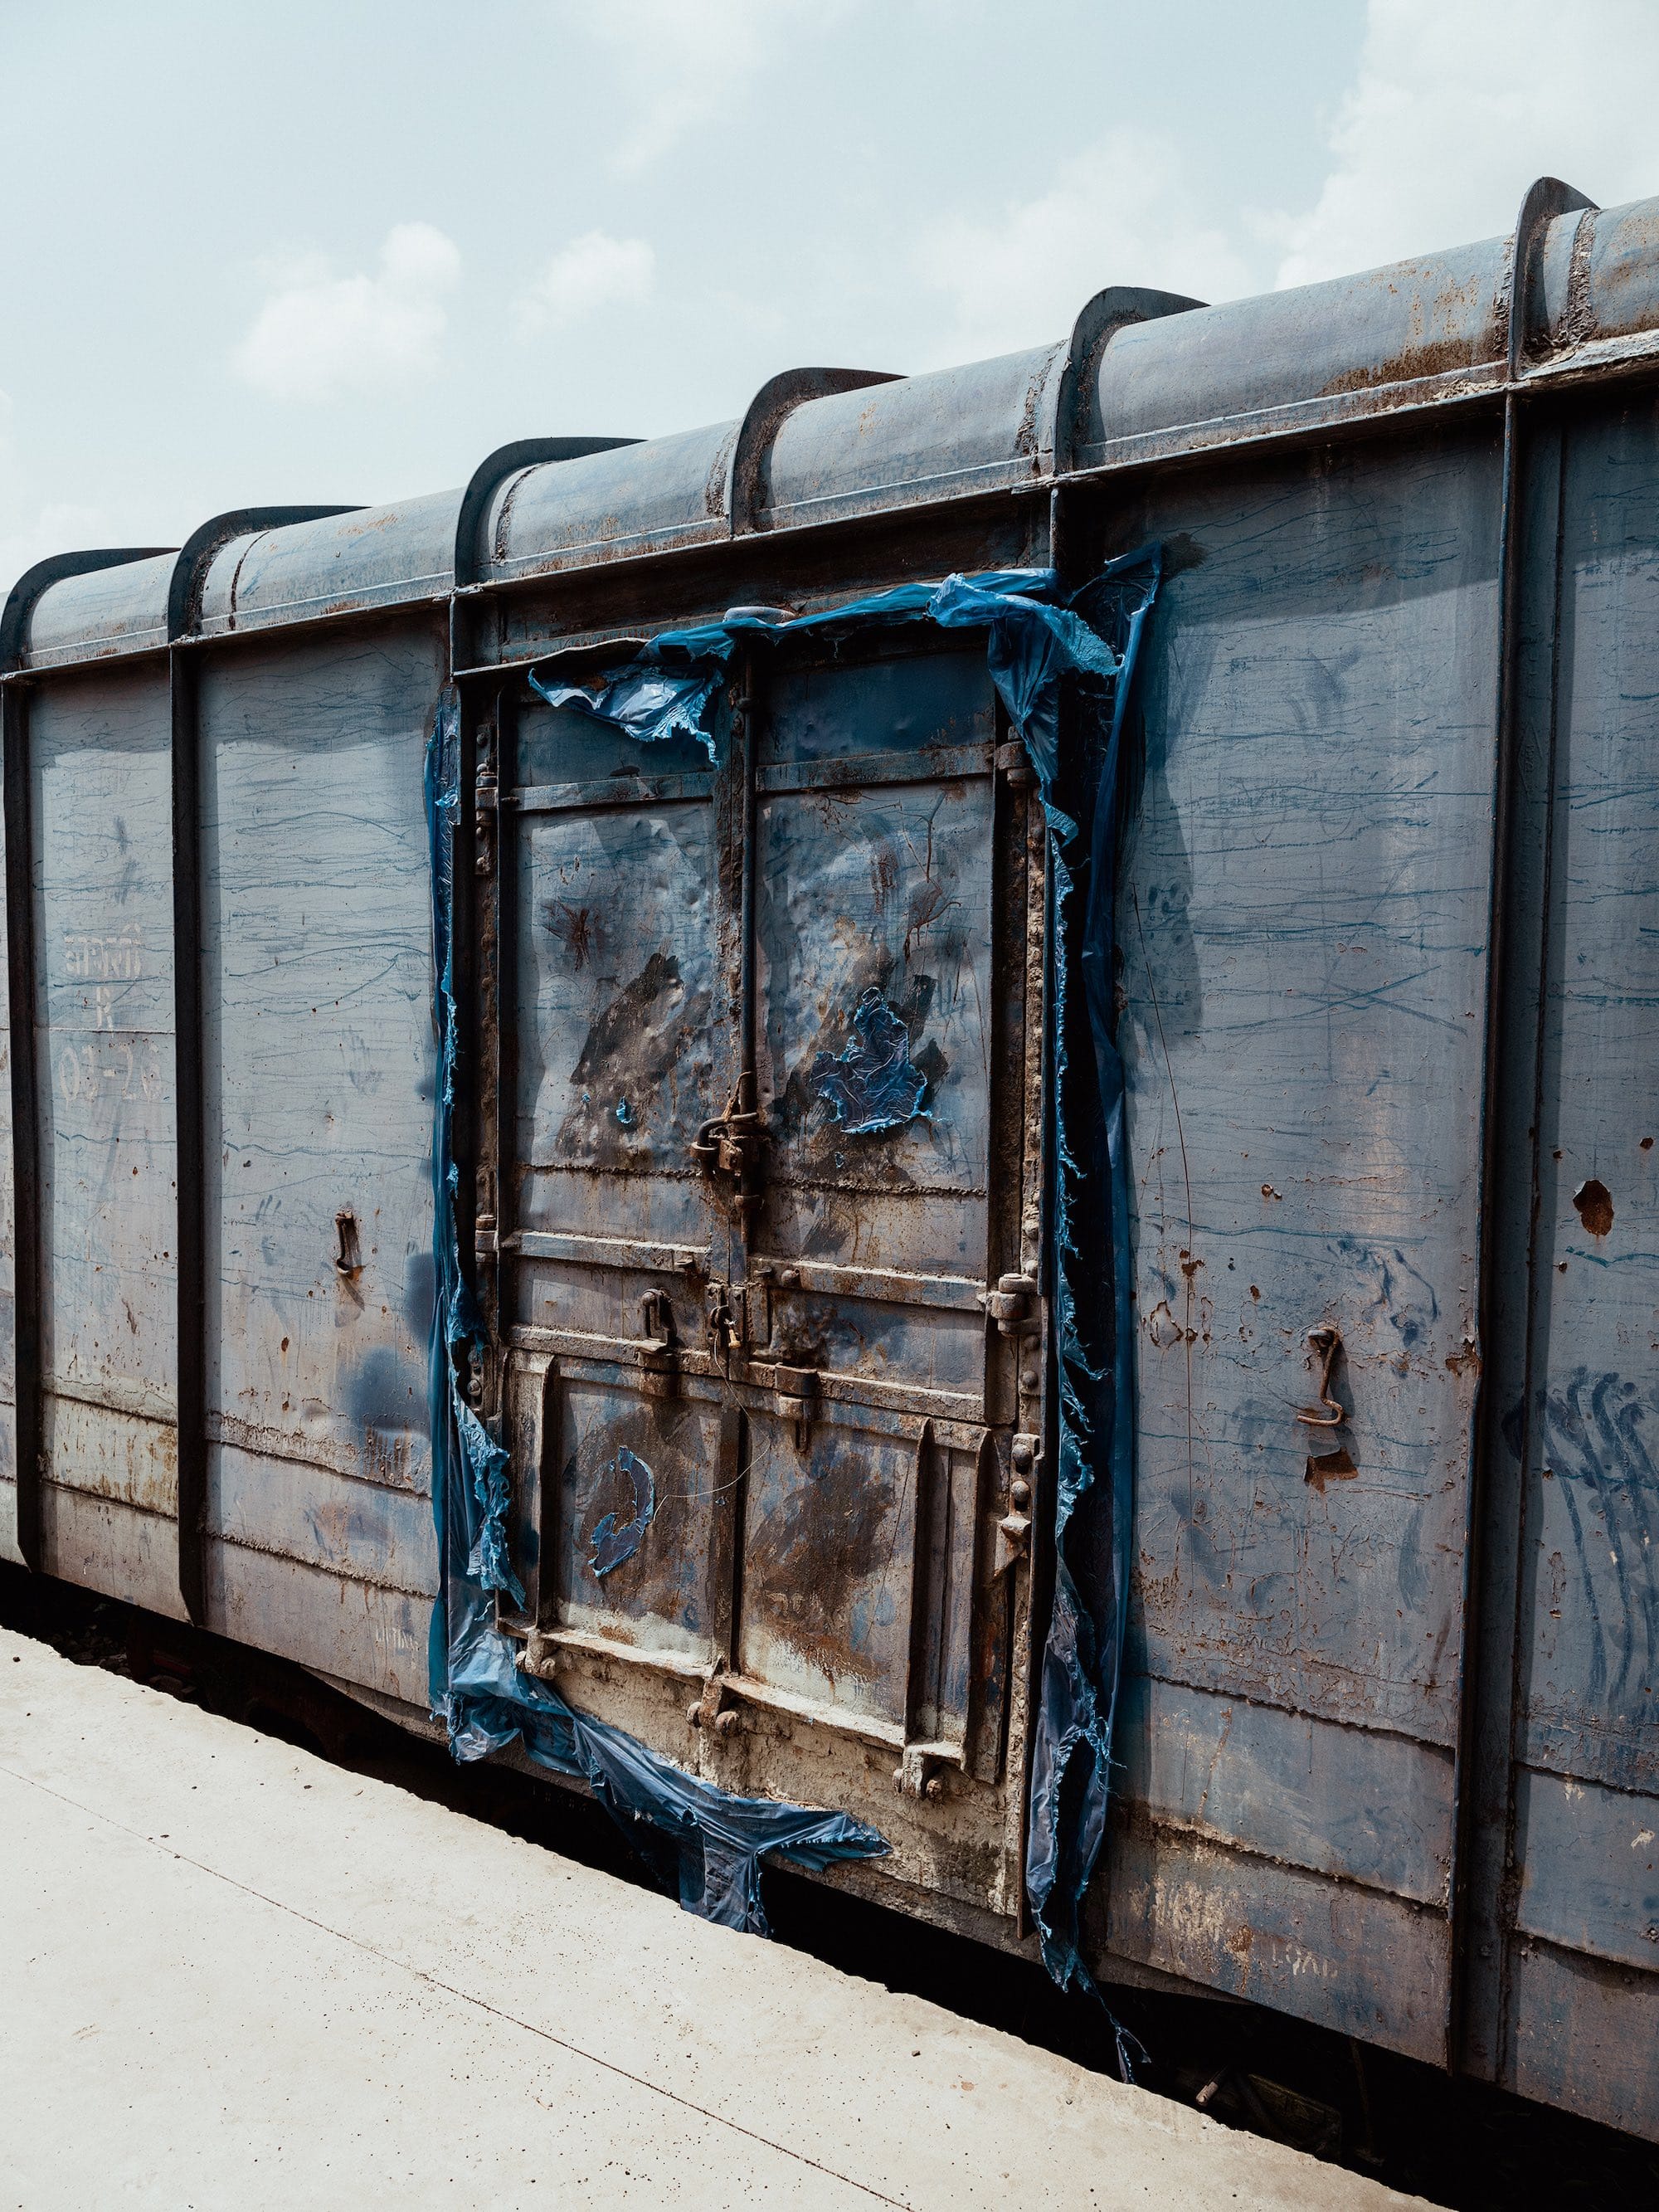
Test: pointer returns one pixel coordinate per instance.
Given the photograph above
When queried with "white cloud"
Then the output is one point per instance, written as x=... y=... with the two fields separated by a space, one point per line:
x=1456 y=108
x=593 y=272
x=320 y=336
x=1119 y=213
x=685 y=65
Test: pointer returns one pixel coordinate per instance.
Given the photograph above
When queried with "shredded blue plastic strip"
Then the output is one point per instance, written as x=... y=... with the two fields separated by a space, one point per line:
x=712 y=1841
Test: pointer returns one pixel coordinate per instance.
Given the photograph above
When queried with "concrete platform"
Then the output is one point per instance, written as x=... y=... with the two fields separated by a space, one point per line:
x=234 y=1977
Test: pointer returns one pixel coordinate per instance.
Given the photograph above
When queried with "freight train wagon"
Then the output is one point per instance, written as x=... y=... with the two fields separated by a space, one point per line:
x=995 y=1162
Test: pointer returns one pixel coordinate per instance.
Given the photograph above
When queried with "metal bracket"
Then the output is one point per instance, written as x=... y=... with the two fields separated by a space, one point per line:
x=1013 y=1542
x=349 y=1259
x=711 y=1710
x=486 y=794
x=796 y=1397
x=917 y=1774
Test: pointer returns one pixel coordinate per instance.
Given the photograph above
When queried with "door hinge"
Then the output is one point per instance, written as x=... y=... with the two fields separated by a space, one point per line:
x=1014 y=1305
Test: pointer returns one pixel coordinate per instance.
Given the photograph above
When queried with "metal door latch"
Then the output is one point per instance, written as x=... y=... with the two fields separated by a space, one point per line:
x=485 y=793
x=660 y=1355
x=349 y=1259
x=729 y=1144
x=725 y=1318
x=796 y=1395
x=1012 y=1305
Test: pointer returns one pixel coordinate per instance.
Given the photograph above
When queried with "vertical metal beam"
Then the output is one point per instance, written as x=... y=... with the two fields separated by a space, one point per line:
x=190 y=1111
x=1483 y=1783
x=25 y=1116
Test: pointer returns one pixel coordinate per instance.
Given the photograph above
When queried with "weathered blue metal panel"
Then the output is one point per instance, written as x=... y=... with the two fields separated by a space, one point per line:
x=1363 y=1808
x=319 y=1072
x=1305 y=937
x=108 y=1161
x=1304 y=944
x=1582 y=1426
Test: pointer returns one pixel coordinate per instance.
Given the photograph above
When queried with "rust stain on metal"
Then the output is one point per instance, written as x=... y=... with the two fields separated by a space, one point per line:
x=1329 y=1467
x=570 y=926
x=1594 y=1203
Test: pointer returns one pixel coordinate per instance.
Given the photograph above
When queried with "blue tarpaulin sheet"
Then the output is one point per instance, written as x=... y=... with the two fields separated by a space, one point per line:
x=709 y=1841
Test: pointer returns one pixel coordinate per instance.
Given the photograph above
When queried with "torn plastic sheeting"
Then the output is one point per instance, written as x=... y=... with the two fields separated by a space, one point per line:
x=707 y=1842
x=660 y=695
x=1094 y=1512
x=874 y=1084
x=1033 y=641
x=613 y=1540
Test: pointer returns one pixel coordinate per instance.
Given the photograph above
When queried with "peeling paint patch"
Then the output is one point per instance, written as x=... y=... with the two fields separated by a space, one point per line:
x=614 y=1542
x=874 y=1084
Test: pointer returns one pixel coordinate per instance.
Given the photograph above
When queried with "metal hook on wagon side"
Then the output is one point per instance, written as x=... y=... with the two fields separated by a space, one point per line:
x=349 y=1259
x=1325 y=1339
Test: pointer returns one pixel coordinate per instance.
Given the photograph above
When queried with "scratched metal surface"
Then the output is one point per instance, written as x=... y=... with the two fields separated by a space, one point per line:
x=1587 y=1733
x=319 y=1072
x=617 y=964
x=865 y=885
x=1303 y=931
x=101 y=804
x=104 y=612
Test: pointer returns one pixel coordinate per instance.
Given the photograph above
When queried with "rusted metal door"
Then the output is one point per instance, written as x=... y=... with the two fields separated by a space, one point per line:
x=758 y=1213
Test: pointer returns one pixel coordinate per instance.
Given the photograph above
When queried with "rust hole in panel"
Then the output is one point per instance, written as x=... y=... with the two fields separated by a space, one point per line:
x=1593 y=1202
x=1329 y=1467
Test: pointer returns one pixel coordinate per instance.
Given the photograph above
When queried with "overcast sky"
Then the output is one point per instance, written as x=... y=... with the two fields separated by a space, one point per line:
x=329 y=251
